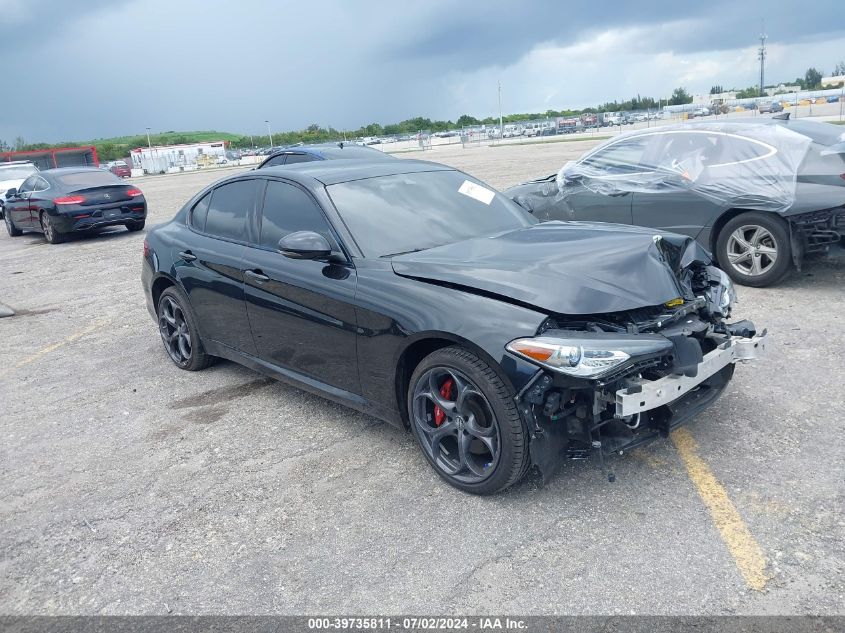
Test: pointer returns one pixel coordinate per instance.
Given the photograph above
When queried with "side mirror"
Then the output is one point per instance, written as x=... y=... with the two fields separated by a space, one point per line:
x=12 y=193
x=305 y=245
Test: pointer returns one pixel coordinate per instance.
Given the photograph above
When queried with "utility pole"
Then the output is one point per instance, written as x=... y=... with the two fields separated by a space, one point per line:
x=761 y=55
x=501 y=127
x=269 y=133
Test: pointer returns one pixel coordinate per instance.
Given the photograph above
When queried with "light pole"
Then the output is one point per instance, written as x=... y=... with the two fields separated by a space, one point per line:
x=501 y=127
x=149 y=145
x=269 y=133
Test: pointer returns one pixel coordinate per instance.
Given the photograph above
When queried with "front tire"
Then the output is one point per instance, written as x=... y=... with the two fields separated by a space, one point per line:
x=754 y=249
x=52 y=235
x=466 y=422
x=178 y=328
x=10 y=226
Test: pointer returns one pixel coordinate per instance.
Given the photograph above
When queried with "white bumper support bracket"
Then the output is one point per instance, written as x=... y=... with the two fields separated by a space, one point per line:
x=645 y=395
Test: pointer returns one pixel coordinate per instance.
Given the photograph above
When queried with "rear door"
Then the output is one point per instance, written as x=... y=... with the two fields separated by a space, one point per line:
x=301 y=311
x=210 y=262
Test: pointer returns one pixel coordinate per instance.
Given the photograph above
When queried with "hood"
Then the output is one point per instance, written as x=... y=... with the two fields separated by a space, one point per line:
x=564 y=267
x=5 y=185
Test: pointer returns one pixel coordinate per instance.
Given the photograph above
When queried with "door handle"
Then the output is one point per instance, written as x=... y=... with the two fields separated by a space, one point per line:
x=257 y=275
x=188 y=256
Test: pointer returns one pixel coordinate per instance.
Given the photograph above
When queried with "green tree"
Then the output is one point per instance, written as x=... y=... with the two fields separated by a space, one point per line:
x=748 y=93
x=466 y=119
x=839 y=70
x=812 y=79
x=717 y=89
x=680 y=96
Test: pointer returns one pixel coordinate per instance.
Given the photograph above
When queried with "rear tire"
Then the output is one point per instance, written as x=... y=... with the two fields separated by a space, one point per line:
x=754 y=249
x=50 y=233
x=135 y=226
x=179 y=333
x=478 y=442
x=10 y=226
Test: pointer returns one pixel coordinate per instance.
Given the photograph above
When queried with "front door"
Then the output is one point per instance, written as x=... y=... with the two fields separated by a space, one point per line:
x=18 y=207
x=600 y=186
x=301 y=311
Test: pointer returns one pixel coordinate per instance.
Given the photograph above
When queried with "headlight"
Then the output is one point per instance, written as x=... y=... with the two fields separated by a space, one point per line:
x=726 y=296
x=587 y=355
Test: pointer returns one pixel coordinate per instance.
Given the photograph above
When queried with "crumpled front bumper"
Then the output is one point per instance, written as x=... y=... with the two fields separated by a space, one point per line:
x=645 y=395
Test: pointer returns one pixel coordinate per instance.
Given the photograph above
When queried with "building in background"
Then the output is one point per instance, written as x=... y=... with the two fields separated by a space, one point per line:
x=836 y=81
x=58 y=157
x=163 y=159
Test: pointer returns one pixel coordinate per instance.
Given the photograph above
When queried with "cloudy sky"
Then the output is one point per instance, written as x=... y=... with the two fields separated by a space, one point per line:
x=80 y=69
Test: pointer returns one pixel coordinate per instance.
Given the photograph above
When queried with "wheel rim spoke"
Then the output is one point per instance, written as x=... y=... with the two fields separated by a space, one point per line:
x=466 y=459
x=174 y=331
x=433 y=394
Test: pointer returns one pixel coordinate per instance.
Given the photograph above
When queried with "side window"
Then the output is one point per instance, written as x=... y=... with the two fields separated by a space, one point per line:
x=200 y=212
x=299 y=158
x=41 y=184
x=28 y=184
x=689 y=149
x=624 y=157
x=230 y=205
x=288 y=209
x=276 y=161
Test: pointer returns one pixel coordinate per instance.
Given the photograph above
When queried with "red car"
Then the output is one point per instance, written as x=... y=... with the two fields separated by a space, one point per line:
x=120 y=168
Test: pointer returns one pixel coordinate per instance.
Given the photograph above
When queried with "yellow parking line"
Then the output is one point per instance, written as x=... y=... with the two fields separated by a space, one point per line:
x=52 y=348
x=735 y=533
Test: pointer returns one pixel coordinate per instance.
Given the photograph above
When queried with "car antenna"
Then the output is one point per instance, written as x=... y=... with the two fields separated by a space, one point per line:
x=783 y=116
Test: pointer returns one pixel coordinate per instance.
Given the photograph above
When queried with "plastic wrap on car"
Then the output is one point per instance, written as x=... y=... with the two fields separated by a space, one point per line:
x=737 y=165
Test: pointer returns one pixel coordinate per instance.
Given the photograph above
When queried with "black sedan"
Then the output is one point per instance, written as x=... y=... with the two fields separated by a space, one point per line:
x=58 y=202
x=760 y=194
x=417 y=294
x=325 y=151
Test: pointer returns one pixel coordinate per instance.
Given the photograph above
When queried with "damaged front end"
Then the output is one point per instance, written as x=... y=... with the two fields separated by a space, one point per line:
x=611 y=382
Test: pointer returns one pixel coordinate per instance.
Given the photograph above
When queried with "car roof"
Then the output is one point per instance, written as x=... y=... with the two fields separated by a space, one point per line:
x=333 y=150
x=17 y=163
x=817 y=131
x=57 y=171
x=331 y=172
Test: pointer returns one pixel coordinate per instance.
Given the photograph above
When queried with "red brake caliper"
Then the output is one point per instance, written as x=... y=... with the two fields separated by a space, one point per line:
x=445 y=392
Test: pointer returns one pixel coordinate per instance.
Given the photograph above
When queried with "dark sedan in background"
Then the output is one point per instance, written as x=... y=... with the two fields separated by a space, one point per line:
x=327 y=151
x=415 y=293
x=761 y=194
x=59 y=202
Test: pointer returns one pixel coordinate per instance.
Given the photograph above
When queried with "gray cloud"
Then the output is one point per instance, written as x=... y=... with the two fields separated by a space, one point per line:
x=106 y=68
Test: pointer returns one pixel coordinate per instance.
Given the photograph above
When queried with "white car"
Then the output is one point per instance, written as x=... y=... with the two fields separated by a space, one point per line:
x=12 y=175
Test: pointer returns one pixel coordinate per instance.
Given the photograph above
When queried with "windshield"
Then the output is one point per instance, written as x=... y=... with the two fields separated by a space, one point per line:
x=16 y=173
x=410 y=212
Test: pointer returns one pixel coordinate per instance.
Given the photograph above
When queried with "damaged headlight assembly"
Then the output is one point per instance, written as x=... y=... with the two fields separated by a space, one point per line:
x=587 y=355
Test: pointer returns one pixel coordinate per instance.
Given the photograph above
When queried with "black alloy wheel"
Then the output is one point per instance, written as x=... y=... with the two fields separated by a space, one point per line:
x=178 y=332
x=10 y=226
x=50 y=233
x=466 y=422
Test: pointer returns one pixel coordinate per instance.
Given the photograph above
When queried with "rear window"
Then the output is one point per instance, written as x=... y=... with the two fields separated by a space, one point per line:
x=93 y=178
x=229 y=208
